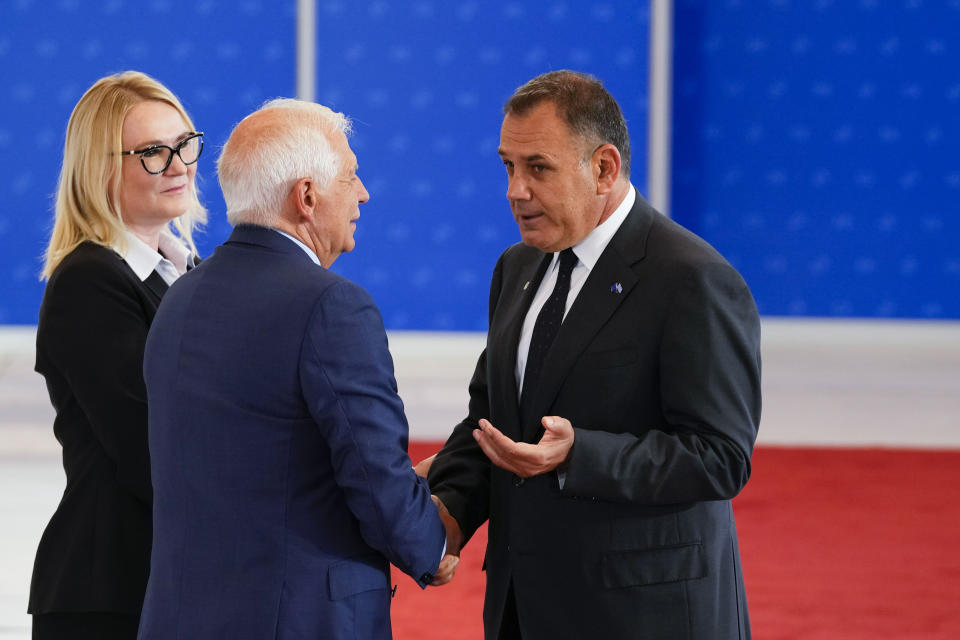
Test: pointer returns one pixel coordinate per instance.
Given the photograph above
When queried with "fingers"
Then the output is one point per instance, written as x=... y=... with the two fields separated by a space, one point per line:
x=555 y=423
x=491 y=437
x=497 y=447
x=556 y=428
x=519 y=458
x=524 y=459
x=446 y=570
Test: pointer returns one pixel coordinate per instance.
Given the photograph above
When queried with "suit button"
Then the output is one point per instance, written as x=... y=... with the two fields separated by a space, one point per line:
x=518 y=481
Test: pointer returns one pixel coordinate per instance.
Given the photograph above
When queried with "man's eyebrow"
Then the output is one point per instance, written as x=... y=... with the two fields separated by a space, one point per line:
x=537 y=157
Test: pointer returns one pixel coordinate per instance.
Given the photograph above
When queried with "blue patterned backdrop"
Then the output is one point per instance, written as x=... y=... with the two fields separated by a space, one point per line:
x=423 y=80
x=815 y=142
x=425 y=83
x=222 y=59
x=816 y=145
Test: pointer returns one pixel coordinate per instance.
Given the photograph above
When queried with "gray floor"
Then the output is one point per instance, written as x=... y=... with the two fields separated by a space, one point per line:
x=825 y=383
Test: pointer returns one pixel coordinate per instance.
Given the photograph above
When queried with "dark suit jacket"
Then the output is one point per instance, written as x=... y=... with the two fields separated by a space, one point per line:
x=94 y=555
x=282 y=485
x=657 y=366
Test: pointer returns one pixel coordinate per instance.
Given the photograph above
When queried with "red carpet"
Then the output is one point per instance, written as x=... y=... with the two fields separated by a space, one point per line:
x=836 y=544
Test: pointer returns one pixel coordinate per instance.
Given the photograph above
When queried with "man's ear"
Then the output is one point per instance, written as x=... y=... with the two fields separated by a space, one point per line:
x=304 y=194
x=606 y=162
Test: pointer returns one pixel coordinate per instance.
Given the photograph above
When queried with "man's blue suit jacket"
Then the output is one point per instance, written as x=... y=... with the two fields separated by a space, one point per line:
x=282 y=485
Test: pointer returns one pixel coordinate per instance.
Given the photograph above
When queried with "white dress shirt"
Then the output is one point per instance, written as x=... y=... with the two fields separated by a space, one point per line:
x=170 y=262
x=588 y=252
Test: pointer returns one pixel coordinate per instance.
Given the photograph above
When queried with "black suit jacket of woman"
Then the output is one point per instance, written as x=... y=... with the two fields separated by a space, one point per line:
x=95 y=552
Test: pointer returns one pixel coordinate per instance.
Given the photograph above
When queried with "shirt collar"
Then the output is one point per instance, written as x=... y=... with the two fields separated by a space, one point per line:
x=141 y=258
x=305 y=248
x=144 y=260
x=589 y=249
x=174 y=251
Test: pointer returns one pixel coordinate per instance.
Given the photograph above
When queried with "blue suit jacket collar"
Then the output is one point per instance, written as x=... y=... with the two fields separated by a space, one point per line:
x=265 y=237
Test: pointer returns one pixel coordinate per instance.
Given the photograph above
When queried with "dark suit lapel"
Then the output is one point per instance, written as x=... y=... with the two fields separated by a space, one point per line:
x=608 y=285
x=156 y=285
x=519 y=291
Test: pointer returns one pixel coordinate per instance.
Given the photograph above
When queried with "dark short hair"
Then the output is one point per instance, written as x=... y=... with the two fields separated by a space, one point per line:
x=582 y=102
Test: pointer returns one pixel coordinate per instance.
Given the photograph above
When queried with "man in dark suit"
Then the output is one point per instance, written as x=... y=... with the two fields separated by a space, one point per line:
x=282 y=485
x=614 y=410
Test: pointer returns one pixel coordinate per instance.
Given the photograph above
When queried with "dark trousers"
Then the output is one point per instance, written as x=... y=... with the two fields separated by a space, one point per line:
x=93 y=625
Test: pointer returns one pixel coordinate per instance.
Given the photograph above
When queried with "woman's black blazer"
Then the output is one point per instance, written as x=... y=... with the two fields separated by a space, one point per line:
x=95 y=552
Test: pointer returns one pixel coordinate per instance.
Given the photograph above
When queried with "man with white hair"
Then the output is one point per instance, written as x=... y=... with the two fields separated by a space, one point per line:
x=282 y=486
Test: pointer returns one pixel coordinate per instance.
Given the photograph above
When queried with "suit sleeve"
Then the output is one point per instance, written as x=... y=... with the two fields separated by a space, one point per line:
x=93 y=333
x=347 y=376
x=460 y=474
x=709 y=368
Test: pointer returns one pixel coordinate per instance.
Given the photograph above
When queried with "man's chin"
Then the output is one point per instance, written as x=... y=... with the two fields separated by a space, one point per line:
x=537 y=241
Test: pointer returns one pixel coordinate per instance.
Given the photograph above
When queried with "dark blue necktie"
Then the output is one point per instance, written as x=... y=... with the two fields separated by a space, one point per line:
x=547 y=326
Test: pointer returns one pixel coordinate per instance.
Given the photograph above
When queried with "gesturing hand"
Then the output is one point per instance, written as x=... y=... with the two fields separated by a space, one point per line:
x=526 y=459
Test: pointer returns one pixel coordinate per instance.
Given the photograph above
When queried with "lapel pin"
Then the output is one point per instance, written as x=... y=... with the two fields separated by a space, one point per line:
x=616 y=287
x=526 y=285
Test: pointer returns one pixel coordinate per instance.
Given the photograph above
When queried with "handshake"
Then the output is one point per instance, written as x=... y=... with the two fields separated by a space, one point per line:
x=448 y=565
x=520 y=458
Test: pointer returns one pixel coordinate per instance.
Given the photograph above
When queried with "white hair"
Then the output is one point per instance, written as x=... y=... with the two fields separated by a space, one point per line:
x=269 y=150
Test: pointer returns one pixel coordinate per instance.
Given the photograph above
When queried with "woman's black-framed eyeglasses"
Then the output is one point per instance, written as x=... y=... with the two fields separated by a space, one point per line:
x=156 y=158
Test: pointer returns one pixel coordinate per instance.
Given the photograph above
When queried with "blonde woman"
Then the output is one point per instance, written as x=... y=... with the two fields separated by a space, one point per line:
x=126 y=208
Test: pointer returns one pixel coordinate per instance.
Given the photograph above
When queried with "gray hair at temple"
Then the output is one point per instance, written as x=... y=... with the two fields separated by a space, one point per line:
x=583 y=103
x=269 y=150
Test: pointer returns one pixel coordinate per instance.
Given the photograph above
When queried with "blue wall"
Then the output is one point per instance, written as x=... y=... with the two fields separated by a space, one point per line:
x=816 y=146
x=222 y=59
x=424 y=82
x=815 y=142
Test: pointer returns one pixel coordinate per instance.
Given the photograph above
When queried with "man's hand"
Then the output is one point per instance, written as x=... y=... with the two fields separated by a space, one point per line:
x=446 y=570
x=526 y=459
x=422 y=468
x=448 y=565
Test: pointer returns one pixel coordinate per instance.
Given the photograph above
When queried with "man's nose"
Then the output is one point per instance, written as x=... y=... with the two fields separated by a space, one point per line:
x=362 y=195
x=517 y=188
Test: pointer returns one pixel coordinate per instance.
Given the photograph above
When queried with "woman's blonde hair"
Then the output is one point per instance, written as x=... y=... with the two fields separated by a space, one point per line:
x=87 y=205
